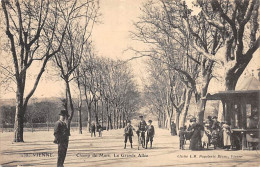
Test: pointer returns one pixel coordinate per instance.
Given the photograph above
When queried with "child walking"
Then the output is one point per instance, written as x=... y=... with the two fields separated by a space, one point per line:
x=128 y=133
x=150 y=134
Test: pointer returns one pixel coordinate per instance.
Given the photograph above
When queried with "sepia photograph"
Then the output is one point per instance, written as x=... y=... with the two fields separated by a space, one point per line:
x=129 y=83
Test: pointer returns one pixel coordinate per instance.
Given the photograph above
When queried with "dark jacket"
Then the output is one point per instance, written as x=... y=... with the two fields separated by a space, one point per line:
x=99 y=127
x=61 y=132
x=142 y=125
x=182 y=134
x=93 y=127
x=129 y=130
x=150 y=130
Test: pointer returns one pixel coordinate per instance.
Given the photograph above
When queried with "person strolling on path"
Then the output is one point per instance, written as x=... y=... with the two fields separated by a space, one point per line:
x=93 y=129
x=99 y=129
x=195 y=140
x=128 y=133
x=173 y=129
x=150 y=134
x=61 y=134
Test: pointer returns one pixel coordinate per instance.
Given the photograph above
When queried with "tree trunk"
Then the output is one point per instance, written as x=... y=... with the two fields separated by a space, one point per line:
x=107 y=122
x=110 y=119
x=177 y=121
x=114 y=118
x=19 y=117
x=123 y=118
x=80 y=121
x=71 y=104
x=231 y=78
x=169 y=119
x=102 y=113
x=117 y=122
x=96 y=111
x=89 y=116
x=120 y=121
x=185 y=109
x=79 y=107
x=203 y=89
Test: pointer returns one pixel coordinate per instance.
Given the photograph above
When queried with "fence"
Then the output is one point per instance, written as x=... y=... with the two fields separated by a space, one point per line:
x=32 y=127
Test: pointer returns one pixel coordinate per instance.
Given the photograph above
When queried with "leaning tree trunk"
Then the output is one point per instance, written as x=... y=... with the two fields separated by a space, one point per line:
x=205 y=77
x=231 y=78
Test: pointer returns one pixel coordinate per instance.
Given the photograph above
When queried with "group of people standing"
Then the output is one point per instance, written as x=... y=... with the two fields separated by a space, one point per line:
x=142 y=128
x=211 y=132
x=62 y=133
x=93 y=128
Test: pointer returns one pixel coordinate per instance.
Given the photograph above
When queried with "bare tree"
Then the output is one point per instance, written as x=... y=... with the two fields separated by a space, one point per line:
x=25 y=22
x=76 y=41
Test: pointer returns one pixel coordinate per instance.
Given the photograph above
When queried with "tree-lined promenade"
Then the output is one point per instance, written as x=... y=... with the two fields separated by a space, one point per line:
x=59 y=33
x=84 y=151
x=186 y=47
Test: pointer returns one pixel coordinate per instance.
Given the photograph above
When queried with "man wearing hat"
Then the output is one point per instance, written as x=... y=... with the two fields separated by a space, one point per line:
x=142 y=125
x=142 y=128
x=61 y=134
x=150 y=134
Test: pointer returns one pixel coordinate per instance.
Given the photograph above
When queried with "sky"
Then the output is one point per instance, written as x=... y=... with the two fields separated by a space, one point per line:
x=111 y=38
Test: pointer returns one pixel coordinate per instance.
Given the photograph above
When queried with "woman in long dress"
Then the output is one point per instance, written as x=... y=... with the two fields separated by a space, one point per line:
x=226 y=136
x=195 y=140
x=206 y=136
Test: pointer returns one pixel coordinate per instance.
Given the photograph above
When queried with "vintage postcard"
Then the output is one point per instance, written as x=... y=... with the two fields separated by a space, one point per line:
x=129 y=83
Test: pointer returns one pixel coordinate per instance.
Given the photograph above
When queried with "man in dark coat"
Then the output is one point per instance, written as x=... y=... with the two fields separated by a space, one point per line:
x=61 y=134
x=142 y=129
x=173 y=129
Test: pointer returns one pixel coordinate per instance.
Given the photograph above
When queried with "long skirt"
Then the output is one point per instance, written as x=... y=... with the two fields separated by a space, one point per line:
x=226 y=138
x=195 y=141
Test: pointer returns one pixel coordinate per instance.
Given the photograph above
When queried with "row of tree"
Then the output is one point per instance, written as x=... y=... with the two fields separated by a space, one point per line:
x=190 y=41
x=58 y=32
x=107 y=89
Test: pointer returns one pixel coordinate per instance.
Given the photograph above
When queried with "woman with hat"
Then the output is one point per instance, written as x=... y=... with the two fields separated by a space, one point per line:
x=195 y=140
